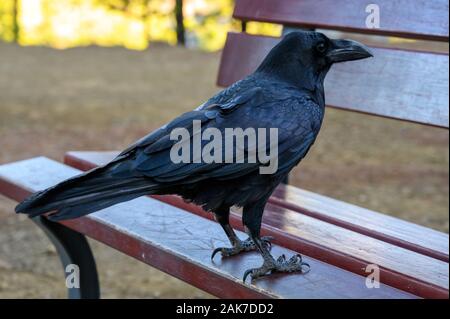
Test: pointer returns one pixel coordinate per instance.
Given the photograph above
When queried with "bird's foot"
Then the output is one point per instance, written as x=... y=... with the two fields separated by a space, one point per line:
x=241 y=246
x=293 y=264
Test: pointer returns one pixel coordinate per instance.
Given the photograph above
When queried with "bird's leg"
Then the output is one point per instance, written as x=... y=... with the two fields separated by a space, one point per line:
x=238 y=245
x=252 y=220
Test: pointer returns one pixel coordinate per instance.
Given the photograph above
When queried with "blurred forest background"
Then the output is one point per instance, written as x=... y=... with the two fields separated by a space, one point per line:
x=133 y=24
x=99 y=74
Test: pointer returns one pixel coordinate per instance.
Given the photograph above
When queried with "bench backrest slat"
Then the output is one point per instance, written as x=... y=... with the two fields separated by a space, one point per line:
x=405 y=18
x=399 y=84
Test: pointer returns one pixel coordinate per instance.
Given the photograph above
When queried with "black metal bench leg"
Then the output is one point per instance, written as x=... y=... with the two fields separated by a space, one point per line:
x=73 y=249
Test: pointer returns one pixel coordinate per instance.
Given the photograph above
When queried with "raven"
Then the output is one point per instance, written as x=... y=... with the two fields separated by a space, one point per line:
x=285 y=92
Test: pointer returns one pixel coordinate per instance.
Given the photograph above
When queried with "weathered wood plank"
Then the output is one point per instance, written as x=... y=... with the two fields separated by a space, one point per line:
x=410 y=86
x=180 y=244
x=389 y=229
x=327 y=242
x=416 y=19
x=386 y=228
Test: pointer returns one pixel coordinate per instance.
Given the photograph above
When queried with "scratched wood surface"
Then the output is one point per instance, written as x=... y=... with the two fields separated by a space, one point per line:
x=417 y=19
x=386 y=228
x=180 y=243
x=401 y=268
x=410 y=86
x=393 y=230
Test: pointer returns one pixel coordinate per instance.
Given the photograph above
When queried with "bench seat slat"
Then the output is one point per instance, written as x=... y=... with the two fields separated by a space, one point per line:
x=180 y=243
x=331 y=243
x=393 y=230
x=398 y=18
x=410 y=86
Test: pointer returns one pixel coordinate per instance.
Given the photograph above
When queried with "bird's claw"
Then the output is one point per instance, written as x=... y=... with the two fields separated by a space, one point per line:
x=246 y=273
x=240 y=246
x=215 y=251
x=293 y=264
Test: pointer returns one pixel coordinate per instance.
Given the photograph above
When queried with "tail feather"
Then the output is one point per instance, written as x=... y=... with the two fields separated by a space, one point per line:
x=85 y=194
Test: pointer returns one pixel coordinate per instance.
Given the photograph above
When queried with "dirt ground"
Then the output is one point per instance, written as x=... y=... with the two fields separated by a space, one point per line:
x=105 y=98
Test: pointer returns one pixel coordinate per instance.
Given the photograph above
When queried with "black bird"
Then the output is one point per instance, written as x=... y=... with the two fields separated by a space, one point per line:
x=285 y=92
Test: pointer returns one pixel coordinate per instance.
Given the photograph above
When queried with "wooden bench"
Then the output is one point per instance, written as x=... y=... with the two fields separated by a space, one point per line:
x=139 y=229
x=399 y=267
x=339 y=240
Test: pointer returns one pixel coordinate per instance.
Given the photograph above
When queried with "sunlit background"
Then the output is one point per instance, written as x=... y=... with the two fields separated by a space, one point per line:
x=134 y=24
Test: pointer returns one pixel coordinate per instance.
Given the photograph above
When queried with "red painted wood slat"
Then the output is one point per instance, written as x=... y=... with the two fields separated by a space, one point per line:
x=410 y=86
x=324 y=241
x=180 y=243
x=389 y=229
x=416 y=19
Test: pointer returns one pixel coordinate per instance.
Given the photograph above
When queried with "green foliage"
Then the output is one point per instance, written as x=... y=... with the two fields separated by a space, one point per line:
x=6 y=20
x=130 y=23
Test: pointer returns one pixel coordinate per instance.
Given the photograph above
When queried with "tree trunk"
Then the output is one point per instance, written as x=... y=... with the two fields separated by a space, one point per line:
x=180 y=22
x=15 y=26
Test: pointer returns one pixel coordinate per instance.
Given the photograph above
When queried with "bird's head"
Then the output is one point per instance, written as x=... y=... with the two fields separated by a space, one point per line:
x=304 y=57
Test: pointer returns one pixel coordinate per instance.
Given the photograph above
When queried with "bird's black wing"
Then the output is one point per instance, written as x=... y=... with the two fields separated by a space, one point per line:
x=251 y=109
x=146 y=166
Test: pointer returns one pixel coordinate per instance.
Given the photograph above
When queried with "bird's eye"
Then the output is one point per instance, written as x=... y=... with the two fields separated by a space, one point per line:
x=321 y=47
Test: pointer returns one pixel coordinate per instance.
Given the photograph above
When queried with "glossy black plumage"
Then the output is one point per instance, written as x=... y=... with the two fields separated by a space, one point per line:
x=147 y=163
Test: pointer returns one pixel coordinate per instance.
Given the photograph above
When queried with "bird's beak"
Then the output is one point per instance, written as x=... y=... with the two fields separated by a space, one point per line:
x=348 y=50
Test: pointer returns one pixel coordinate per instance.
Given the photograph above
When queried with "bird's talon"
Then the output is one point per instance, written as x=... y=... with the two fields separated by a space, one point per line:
x=305 y=271
x=215 y=252
x=281 y=259
x=247 y=272
x=267 y=241
x=295 y=259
